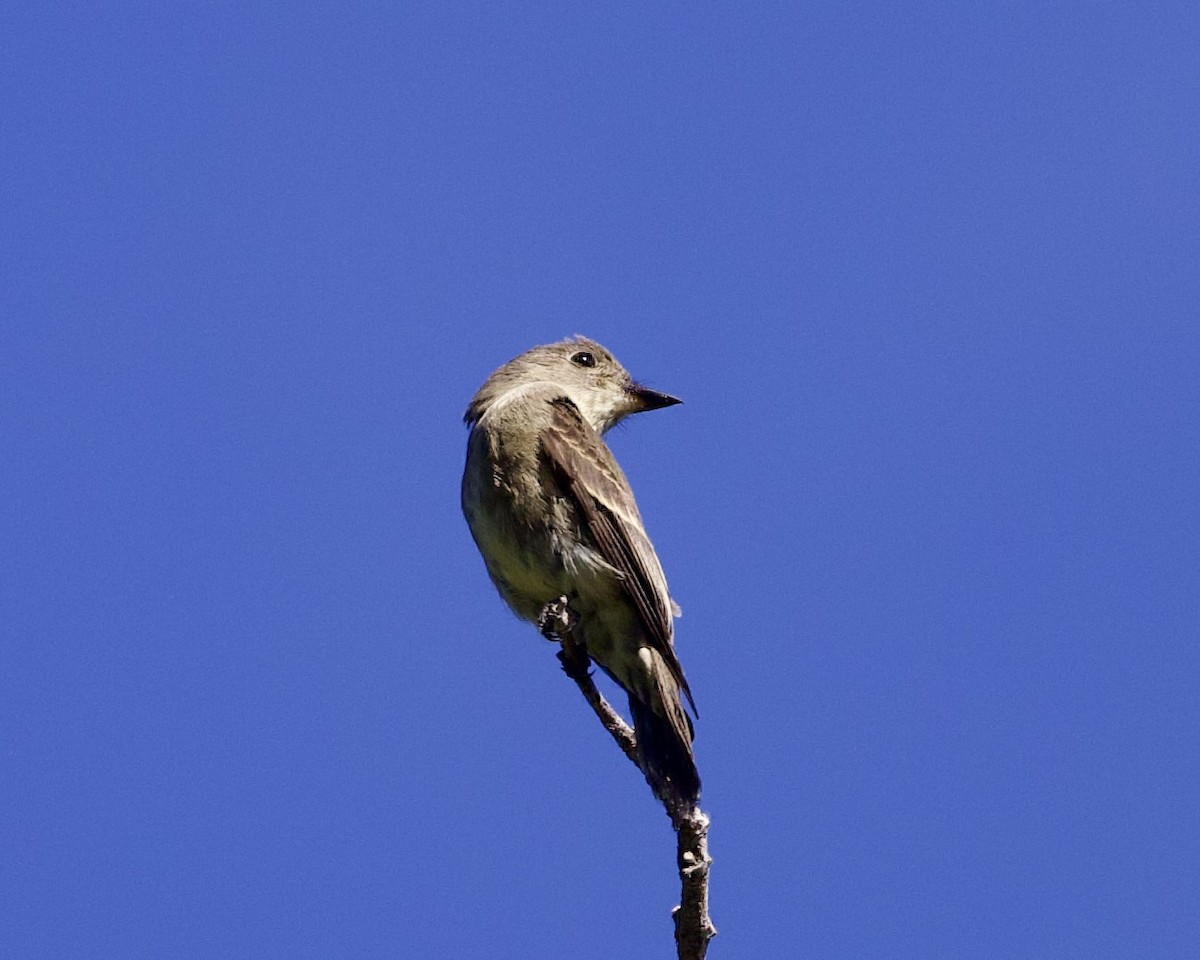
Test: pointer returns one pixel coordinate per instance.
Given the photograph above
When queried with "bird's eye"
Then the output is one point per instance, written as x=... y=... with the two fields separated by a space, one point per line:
x=583 y=359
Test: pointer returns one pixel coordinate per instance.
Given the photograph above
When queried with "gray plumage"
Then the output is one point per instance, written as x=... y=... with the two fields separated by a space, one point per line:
x=553 y=515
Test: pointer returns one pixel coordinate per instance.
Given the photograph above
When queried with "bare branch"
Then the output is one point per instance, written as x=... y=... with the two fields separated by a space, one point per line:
x=557 y=624
x=693 y=926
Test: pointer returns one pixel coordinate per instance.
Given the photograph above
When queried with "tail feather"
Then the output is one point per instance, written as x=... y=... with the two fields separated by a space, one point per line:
x=664 y=736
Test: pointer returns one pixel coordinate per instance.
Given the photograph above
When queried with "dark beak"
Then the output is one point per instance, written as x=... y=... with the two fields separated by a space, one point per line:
x=643 y=398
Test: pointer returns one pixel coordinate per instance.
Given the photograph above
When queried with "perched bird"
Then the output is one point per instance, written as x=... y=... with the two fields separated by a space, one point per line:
x=554 y=516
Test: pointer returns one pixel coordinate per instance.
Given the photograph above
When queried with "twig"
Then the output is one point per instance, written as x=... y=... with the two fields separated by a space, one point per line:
x=558 y=624
x=693 y=926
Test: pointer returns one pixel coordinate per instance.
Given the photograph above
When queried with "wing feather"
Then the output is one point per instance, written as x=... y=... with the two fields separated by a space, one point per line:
x=589 y=475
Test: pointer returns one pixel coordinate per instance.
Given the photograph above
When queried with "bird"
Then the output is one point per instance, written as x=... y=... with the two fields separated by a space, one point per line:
x=554 y=516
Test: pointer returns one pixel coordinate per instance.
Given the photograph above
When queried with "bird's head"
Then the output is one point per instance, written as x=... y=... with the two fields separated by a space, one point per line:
x=588 y=375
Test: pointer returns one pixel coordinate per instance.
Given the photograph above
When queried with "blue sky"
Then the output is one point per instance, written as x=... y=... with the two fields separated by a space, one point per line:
x=925 y=275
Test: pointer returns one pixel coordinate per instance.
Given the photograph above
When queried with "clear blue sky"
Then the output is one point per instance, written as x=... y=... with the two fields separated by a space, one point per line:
x=926 y=275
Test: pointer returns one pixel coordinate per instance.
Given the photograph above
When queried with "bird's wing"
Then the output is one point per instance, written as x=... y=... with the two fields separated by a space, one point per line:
x=590 y=477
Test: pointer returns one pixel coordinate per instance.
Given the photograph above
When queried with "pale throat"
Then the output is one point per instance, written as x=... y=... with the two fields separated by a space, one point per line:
x=601 y=409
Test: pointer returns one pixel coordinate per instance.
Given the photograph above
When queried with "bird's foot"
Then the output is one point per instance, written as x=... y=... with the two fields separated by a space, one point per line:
x=557 y=619
x=557 y=623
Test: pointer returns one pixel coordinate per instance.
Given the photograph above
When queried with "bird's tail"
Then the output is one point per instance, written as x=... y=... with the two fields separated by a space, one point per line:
x=664 y=736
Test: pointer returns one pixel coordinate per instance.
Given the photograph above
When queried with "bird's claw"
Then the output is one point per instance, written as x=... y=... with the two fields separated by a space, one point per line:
x=556 y=619
x=557 y=623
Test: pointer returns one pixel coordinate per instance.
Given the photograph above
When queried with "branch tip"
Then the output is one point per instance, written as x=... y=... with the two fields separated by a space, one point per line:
x=693 y=926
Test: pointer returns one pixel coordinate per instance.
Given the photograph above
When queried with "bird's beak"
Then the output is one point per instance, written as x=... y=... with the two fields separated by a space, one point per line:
x=643 y=398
